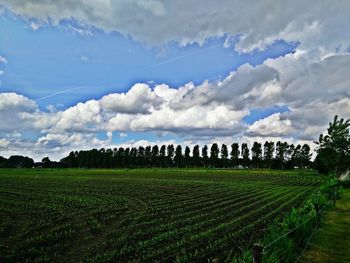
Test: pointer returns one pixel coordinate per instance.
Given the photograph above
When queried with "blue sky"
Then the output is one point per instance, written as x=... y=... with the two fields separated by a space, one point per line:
x=92 y=74
x=55 y=59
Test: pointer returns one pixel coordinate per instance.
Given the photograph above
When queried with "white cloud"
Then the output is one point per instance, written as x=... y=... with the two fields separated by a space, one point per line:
x=34 y=26
x=18 y=113
x=109 y=135
x=81 y=117
x=3 y=60
x=166 y=119
x=11 y=101
x=272 y=125
x=123 y=135
x=312 y=23
x=233 y=90
x=139 y=99
x=4 y=143
x=196 y=113
x=84 y=58
x=314 y=117
x=313 y=82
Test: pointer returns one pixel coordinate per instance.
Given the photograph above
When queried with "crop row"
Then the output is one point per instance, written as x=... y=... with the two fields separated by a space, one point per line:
x=141 y=217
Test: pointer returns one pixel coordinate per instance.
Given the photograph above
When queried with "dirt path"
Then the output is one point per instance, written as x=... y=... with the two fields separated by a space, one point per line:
x=331 y=242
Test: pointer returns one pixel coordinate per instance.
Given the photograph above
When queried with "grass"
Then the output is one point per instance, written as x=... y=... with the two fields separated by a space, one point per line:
x=141 y=215
x=331 y=242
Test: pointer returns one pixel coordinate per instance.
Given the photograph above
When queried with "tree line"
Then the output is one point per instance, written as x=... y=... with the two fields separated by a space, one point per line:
x=268 y=155
x=332 y=155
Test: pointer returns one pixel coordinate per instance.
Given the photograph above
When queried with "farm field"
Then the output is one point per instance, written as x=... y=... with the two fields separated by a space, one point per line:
x=141 y=215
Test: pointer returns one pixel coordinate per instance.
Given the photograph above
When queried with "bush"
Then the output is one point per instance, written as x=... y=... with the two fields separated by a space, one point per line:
x=286 y=238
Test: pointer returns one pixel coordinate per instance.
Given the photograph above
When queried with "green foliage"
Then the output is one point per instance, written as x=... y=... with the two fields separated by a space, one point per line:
x=333 y=153
x=269 y=148
x=234 y=154
x=245 y=155
x=287 y=237
x=299 y=225
x=245 y=257
x=178 y=156
x=224 y=155
x=256 y=154
x=196 y=156
x=214 y=154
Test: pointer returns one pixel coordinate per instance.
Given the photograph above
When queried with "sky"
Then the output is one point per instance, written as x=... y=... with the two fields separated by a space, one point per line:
x=99 y=73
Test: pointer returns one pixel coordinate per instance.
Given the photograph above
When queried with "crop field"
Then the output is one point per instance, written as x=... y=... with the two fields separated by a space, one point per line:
x=141 y=215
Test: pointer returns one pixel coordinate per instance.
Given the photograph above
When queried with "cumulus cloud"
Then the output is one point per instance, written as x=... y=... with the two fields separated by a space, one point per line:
x=139 y=99
x=75 y=140
x=234 y=90
x=16 y=112
x=314 y=117
x=306 y=76
x=54 y=145
x=181 y=121
x=272 y=125
x=197 y=113
x=13 y=101
x=312 y=82
x=81 y=117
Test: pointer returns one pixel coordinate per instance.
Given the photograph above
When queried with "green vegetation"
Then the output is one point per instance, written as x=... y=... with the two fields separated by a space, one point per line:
x=333 y=153
x=142 y=215
x=287 y=157
x=332 y=241
x=287 y=237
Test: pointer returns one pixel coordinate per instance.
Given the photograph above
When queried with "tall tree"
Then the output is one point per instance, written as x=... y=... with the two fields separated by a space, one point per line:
x=133 y=157
x=281 y=153
x=178 y=156
x=235 y=154
x=333 y=152
x=155 y=155
x=296 y=156
x=141 y=156
x=18 y=161
x=205 y=155
x=305 y=156
x=224 y=154
x=170 y=154
x=109 y=154
x=196 y=156
x=3 y=162
x=46 y=162
x=115 y=160
x=127 y=157
x=256 y=154
x=120 y=157
x=187 y=158
x=101 y=160
x=148 y=155
x=245 y=154
x=269 y=148
x=162 y=155
x=214 y=154
x=289 y=157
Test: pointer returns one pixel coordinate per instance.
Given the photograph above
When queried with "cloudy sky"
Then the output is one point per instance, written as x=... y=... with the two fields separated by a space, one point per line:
x=100 y=73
